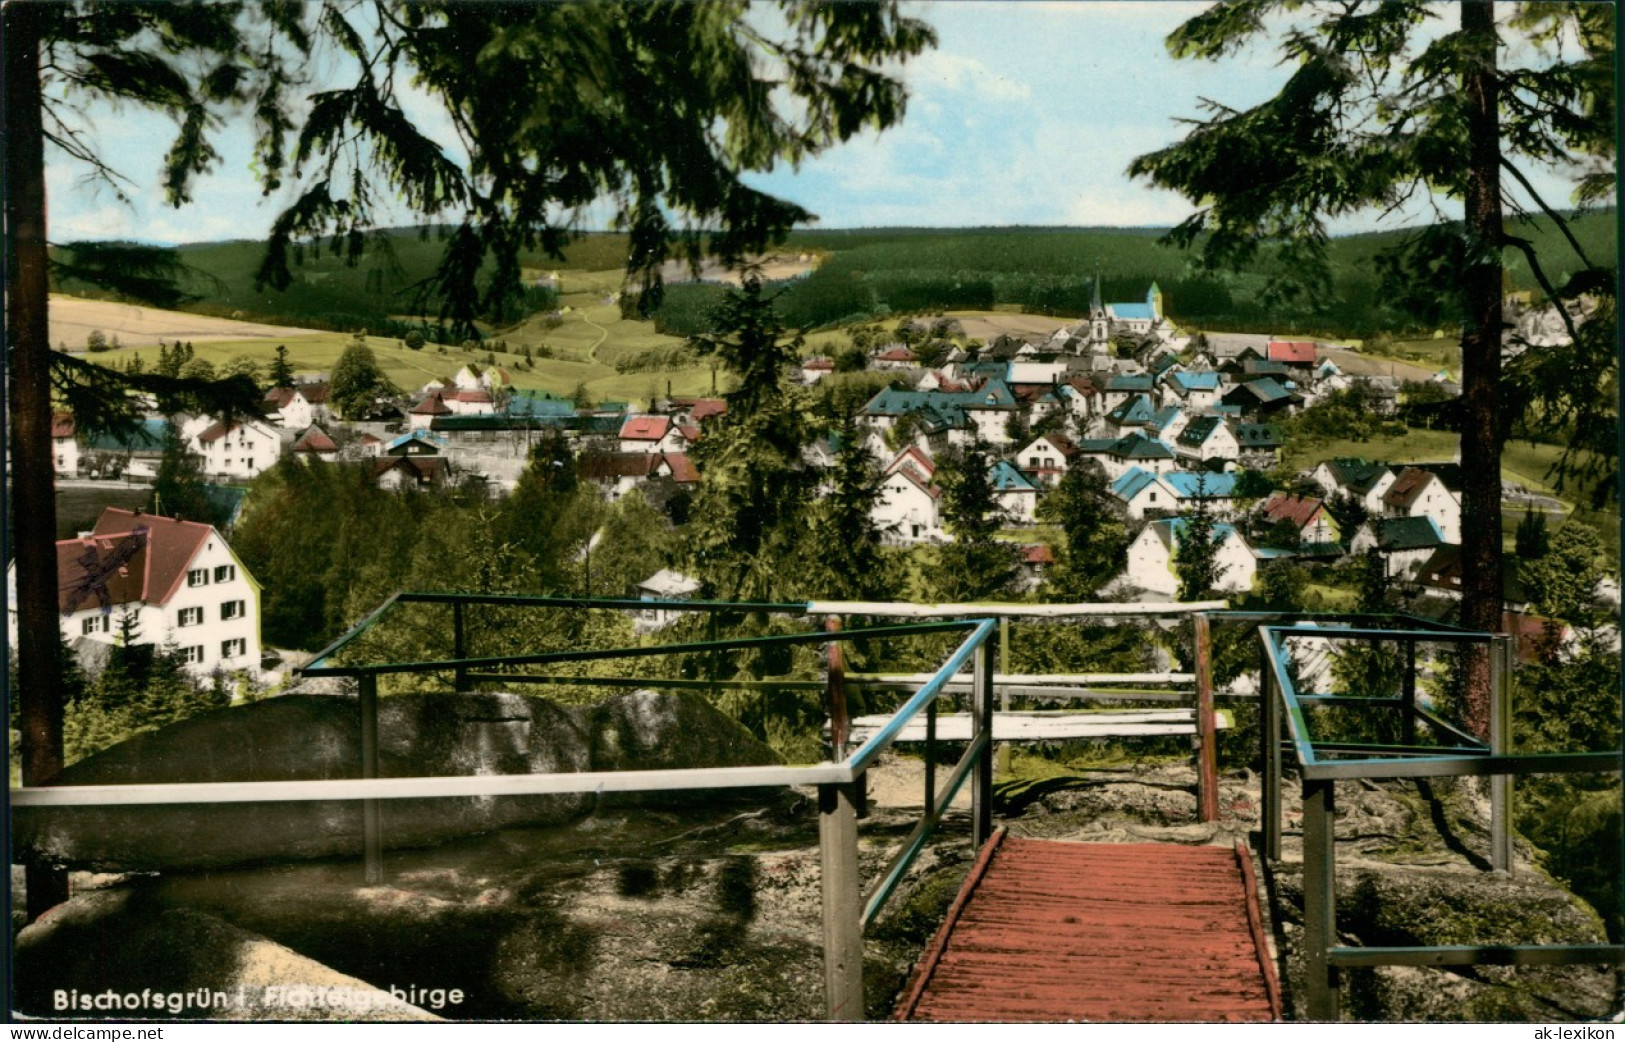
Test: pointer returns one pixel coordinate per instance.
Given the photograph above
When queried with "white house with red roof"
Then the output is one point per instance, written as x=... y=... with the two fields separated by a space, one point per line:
x=241 y=449
x=178 y=581
x=1421 y=493
x=647 y=433
x=64 y=444
x=1046 y=457
x=315 y=444
x=297 y=407
x=476 y=401
x=1307 y=514
x=895 y=356
x=423 y=413
x=908 y=509
x=816 y=368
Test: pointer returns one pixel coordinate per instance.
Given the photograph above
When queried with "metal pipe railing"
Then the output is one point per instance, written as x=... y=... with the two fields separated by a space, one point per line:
x=1282 y=704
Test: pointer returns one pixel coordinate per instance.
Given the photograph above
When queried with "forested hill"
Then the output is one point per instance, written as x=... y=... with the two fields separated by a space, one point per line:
x=877 y=271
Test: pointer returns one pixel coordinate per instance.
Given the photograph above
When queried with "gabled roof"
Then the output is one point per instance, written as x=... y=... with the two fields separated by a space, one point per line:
x=1449 y=473
x=1006 y=478
x=163 y=549
x=914 y=458
x=1408 y=487
x=400 y=441
x=1201 y=486
x=704 y=408
x=1355 y=475
x=609 y=466
x=217 y=430
x=645 y=428
x=434 y=405
x=819 y=363
x=667 y=584
x=682 y=468
x=315 y=440
x=1292 y=352
x=1059 y=441
x=1164 y=416
x=897 y=354
x=1133 y=411
x=1199 y=430
x=1252 y=368
x=1407 y=533
x=1184 y=381
x=1169 y=529
x=1135 y=445
x=1037 y=554
x=425 y=470
x=1130 y=312
x=1300 y=510
x=995 y=394
x=62 y=425
x=1132 y=483
x=1130 y=382
x=1265 y=391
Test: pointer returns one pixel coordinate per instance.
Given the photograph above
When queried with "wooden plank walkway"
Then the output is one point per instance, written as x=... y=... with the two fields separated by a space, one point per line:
x=1107 y=932
x=1039 y=726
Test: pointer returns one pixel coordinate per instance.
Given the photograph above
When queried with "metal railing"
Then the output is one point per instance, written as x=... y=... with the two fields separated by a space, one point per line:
x=847 y=910
x=1321 y=764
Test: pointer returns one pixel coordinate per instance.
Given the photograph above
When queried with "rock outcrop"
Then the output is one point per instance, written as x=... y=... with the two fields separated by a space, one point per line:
x=317 y=737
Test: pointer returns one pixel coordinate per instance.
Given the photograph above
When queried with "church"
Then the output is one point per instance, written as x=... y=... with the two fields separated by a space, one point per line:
x=1108 y=321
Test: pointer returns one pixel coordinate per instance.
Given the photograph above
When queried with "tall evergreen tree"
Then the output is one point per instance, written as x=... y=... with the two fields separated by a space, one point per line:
x=1096 y=546
x=1196 y=552
x=846 y=558
x=1380 y=108
x=975 y=566
x=281 y=371
x=747 y=520
x=179 y=490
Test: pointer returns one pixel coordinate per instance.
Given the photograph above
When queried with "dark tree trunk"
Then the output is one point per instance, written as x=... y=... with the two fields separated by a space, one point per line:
x=1481 y=353
x=32 y=482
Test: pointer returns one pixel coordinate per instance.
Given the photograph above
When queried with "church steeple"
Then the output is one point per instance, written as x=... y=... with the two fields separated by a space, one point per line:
x=1099 y=327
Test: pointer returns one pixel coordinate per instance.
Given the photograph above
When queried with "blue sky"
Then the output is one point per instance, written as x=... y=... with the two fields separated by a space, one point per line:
x=1026 y=113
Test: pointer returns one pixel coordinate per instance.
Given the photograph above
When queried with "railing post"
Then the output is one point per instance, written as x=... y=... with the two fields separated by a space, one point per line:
x=1407 y=724
x=1004 y=661
x=1500 y=744
x=843 y=902
x=459 y=647
x=931 y=757
x=1269 y=731
x=1207 y=757
x=372 y=847
x=982 y=710
x=835 y=693
x=1319 y=898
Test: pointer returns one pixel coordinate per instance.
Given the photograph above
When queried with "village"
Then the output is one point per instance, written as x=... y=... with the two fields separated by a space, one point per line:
x=1172 y=423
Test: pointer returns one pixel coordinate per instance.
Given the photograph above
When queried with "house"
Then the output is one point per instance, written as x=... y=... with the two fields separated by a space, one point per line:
x=664 y=585
x=296 y=408
x=1122 y=386
x=476 y=401
x=652 y=434
x=895 y=356
x=1167 y=424
x=1133 y=413
x=154 y=580
x=1207 y=438
x=1045 y=459
x=1036 y=561
x=989 y=409
x=64 y=445
x=415 y=443
x=1262 y=397
x=1296 y=355
x=396 y=473
x=1017 y=497
x=1152 y=558
x=242 y=449
x=1137 y=450
x=618 y=473
x=1258 y=445
x=1137 y=317
x=1141 y=492
x=816 y=368
x=908 y=509
x=424 y=413
x=1365 y=482
x=133 y=454
x=1306 y=514
x=314 y=444
x=1405 y=543
x=1215 y=491
x=1197 y=392
x=1420 y=493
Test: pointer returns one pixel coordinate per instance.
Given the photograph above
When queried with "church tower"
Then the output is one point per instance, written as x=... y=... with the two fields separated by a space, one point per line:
x=1099 y=327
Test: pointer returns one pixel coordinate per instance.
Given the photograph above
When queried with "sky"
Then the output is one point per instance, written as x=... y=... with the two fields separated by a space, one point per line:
x=1026 y=113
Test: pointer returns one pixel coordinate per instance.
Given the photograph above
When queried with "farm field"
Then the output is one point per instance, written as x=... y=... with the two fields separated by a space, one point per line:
x=73 y=319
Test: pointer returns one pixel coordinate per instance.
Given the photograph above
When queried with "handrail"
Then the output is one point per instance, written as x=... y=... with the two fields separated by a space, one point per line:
x=1322 y=954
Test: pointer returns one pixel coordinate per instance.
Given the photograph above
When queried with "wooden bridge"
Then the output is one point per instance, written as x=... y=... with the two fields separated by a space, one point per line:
x=1052 y=931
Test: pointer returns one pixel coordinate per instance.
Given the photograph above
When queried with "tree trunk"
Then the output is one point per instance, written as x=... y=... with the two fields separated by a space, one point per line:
x=33 y=486
x=1481 y=585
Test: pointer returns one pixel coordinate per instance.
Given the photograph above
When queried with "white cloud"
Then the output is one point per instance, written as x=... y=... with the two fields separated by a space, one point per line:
x=962 y=74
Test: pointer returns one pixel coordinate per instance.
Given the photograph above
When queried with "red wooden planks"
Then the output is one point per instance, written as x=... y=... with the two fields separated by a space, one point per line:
x=1050 y=931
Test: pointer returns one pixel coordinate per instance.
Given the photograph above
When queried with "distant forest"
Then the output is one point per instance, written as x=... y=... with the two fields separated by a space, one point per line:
x=869 y=273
